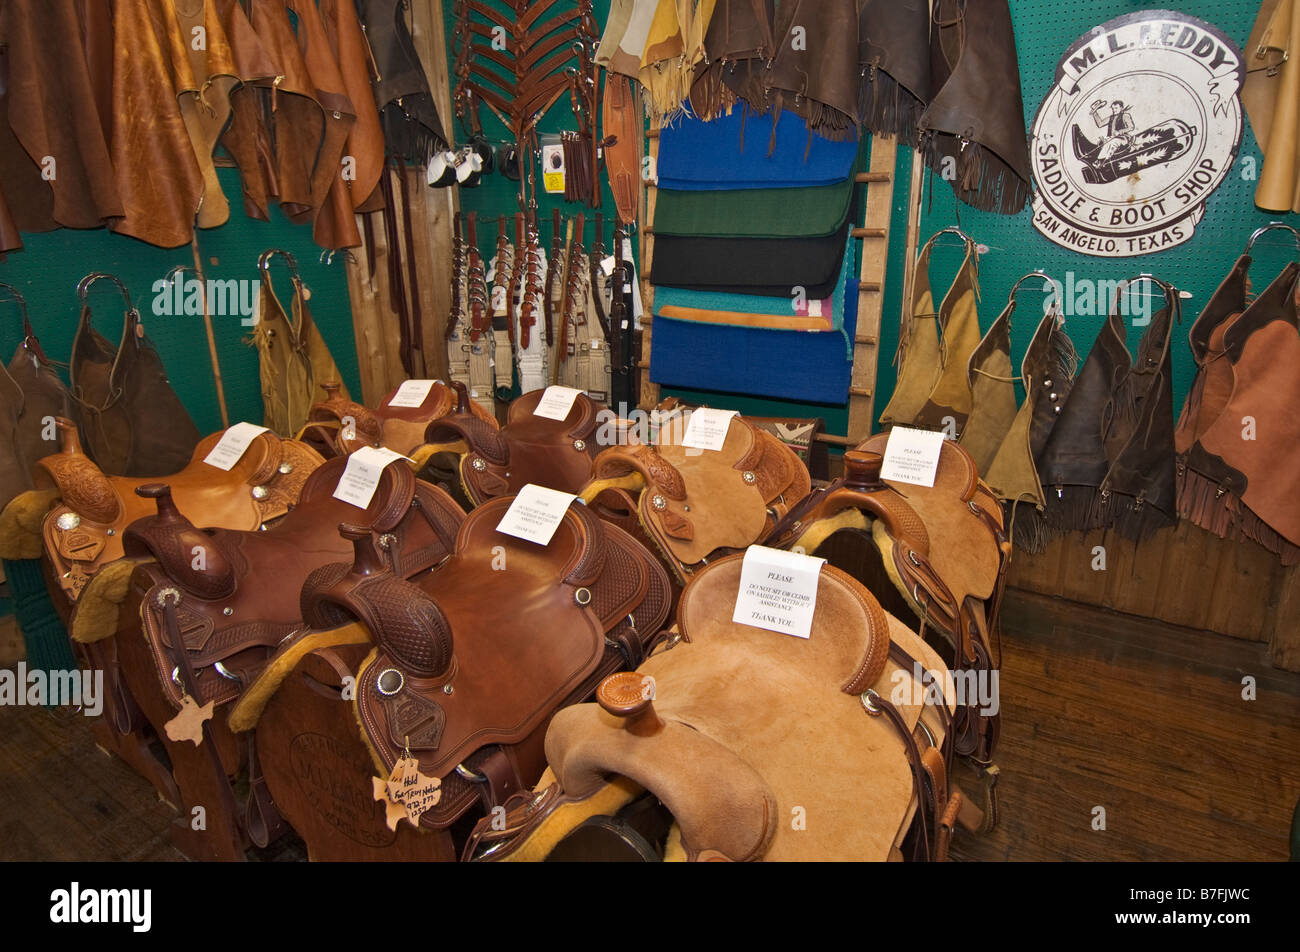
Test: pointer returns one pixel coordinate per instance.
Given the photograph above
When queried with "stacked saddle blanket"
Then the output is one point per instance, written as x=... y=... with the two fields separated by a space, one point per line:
x=752 y=257
x=803 y=366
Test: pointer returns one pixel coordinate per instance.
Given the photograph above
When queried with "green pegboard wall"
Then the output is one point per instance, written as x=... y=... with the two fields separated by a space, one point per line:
x=48 y=268
x=1043 y=32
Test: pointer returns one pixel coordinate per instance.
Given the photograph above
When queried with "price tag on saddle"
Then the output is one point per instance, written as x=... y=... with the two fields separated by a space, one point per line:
x=778 y=591
x=360 y=479
x=407 y=794
x=232 y=445
x=912 y=456
x=535 y=514
x=412 y=393
x=707 y=429
x=556 y=403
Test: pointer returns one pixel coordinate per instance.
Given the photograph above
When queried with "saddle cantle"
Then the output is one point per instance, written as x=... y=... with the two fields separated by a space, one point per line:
x=740 y=731
x=942 y=550
x=228 y=597
x=699 y=504
x=83 y=532
x=496 y=462
x=471 y=661
x=339 y=426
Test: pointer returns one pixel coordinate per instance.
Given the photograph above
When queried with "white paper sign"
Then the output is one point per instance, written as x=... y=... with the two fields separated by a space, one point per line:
x=556 y=403
x=535 y=514
x=778 y=591
x=912 y=456
x=707 y=429
x=233 y=444
x=360 y=478
x=412 y=393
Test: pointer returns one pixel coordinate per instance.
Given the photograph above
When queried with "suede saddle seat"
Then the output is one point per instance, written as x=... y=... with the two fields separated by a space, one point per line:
x=227 y=598
x=83 y=532
x=470 y=662
x=761 y=746
x=697 y=505
x=943 y=548
x=497 y=462
x=339 y=426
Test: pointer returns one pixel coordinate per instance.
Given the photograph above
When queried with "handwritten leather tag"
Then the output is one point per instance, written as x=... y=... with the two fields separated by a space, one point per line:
x=406 y=793
x=188 y=724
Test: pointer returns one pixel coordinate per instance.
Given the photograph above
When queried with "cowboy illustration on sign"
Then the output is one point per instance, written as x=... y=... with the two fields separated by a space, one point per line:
x=1122 y=152
x=1140 y=127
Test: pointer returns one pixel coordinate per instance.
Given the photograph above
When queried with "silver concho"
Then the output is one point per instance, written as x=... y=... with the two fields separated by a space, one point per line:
x=749 y=477
x=658 y=501
x=69 y=521
x=478 y=464
x=390 y=681
x=260 y=492
x=579 y=445
x=286 y=468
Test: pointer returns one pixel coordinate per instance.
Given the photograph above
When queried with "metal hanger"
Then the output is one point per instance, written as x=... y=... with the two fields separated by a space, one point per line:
x=1036 y=273
x=83 y=287
x=264 y=261
x=1250 y=242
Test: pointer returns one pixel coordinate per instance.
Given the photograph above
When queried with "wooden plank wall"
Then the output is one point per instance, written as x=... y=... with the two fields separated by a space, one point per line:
x=373 y=317
x=1184 y=576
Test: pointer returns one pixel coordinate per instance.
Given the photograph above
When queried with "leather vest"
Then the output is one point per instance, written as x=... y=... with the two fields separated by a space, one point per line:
x=161 y=196
x=738 y=43
x=976 y=117
x=1238 y=432
x=411 y=126
x=31 y=395
x=229 y=55
x=1047 y=374
x=134 y=423
x=815 y=72
x=51 y=74
x=248 y=136
x=992 y=385
x=1109 y=462
x=894 y=64
x=293 y=359
x=920 y=353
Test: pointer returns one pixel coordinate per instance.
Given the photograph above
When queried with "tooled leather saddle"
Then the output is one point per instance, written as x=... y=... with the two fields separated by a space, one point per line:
x=697 y=505
x=218 y=601
x=496 y=462
x=83 y=532
x=941 y=557
x=339 y=426
x=471 y=661
x=737 y=731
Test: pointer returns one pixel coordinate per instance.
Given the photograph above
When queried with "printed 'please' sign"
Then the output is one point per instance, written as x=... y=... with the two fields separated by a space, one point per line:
x=778 y=591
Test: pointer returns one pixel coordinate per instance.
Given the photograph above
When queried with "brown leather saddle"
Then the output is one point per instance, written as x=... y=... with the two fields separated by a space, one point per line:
x=471 y=661
x=496 y=462
x=83 y=532
x=135 y=424
x=218 y=601
x=697 y=505
x=340 y=426
x=739 y=732
x=938 y=554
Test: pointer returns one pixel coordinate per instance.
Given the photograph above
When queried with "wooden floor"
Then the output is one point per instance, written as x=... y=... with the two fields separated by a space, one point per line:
x=1098 y=710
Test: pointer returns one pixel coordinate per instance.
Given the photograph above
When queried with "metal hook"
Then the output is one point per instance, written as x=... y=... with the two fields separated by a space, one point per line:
x=16 y=296
x=1036 y=273
x=1250 y=243
x=83 y=287
x=264 y=261
x=952 y=230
